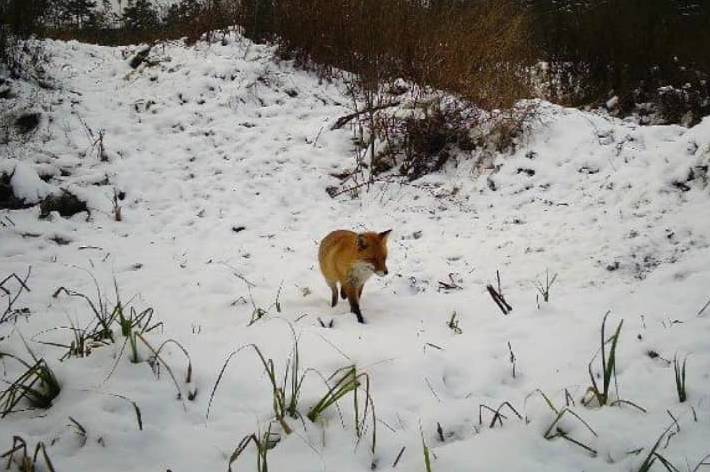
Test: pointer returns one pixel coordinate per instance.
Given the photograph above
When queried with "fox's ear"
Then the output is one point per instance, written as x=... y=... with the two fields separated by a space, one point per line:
x=385 y=234
x=361 y=242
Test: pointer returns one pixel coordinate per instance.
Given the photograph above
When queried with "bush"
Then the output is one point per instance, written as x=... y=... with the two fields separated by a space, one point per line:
x=686 y=105
x=477 y=50
x=633 y=49
x=424 y=140
x=421 y=136
x=20 y=19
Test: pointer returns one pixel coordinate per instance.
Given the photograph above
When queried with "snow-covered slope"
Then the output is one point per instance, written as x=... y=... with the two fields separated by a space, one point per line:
x=222 y=156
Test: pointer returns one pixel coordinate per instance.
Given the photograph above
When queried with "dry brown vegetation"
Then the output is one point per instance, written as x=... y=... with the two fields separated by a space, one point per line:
x=478 y=51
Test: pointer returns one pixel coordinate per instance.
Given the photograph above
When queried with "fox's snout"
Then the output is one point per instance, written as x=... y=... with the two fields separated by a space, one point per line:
x=382 y=272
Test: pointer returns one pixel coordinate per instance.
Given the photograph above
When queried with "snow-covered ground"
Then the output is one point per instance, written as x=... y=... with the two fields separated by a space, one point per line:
x=222 y=156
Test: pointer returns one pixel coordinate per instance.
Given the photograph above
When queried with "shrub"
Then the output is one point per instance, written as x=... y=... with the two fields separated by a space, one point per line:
x=435 y=44
x=420 y=138
x=421 y=143
x=628 y=48
x=20 y=19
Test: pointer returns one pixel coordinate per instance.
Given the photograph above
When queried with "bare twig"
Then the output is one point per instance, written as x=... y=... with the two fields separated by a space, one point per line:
x=512 y=358
x=433 y=392
x=399 y=456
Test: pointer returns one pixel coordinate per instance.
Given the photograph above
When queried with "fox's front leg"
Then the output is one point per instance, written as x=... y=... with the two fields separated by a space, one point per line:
x=353 y=294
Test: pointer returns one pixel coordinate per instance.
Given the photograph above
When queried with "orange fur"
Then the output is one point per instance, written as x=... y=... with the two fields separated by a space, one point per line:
x=349 y=259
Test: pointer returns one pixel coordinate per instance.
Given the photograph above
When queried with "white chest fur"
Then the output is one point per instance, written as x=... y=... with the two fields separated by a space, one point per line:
x=360 y=273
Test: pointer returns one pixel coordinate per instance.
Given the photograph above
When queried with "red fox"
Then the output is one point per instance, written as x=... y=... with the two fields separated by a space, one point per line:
x=350 y=258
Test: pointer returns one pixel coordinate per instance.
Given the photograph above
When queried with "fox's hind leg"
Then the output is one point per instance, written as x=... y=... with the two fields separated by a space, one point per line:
x=342 y=292
x=334 y=292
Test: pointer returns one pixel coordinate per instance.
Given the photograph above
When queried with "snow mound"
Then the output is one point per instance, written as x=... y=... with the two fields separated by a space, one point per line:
x=27 y=185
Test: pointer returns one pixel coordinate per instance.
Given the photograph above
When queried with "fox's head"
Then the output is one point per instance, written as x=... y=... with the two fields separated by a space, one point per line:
x=372 y=249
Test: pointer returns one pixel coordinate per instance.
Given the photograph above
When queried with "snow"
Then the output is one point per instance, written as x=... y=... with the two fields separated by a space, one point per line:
x=612 y=102
x=26 y=184
x=214 y=138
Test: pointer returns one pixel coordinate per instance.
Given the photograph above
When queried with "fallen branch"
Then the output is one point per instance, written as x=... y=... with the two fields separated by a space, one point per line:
x=500 y=301
x=452 y=285
x=333 y=192
x=343 y=120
